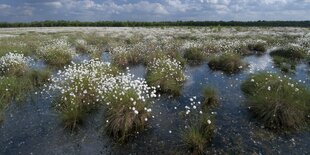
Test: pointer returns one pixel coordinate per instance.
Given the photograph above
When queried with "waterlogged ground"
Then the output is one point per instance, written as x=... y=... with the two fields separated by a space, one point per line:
x=33 y=127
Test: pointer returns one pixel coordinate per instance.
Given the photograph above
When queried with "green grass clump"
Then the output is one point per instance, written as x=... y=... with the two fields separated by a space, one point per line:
x=194 y=55
x=279 y=103
x=13 y=89
x=39 y=77
x=56 y=52
x=284 y=64
x=123 y=117
x=167 y=74
x=258 y=47
x=228 y=63
x=288 y=57
x=197 y=135
x=57 y=58
x=78 y=91
x=126 y=58
x=14 y=64
x=290 y=52
x=210 y=97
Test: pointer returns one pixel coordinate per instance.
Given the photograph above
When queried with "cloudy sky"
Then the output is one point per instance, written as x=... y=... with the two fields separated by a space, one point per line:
x=155 y=10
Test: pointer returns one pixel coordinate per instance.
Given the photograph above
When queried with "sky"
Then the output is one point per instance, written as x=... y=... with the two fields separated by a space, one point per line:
x=155 y=10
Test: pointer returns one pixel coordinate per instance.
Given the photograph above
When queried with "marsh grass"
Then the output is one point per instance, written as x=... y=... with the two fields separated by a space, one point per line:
x=128 y=58
x=57 y=58
x=279 y=103
x=13 y=89
x=73 y=108
x=194 y=55
x=167 y=74
x=290 y=52
x=288 y=57
x=56 y=52
x=123 y=118
x=257 y=47
x=210 y=98
x=284 y=64
x=228 y=63
x=199 y=133
x=39 y=77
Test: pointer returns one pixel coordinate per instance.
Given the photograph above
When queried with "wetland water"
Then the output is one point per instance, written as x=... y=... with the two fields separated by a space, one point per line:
x=33 y=127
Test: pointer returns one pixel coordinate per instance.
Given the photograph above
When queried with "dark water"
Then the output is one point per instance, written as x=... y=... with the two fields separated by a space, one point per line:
x=34 y=128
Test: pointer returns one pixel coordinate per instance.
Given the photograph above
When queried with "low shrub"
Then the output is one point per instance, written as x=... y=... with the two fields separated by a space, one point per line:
x=278 y=102
x=228 y=63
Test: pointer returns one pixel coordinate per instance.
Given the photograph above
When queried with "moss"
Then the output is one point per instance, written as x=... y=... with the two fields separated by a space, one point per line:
x=279 y=103
x=228 y=63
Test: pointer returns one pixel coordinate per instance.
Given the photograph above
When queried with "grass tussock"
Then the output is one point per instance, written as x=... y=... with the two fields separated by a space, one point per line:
x=288 y=57
x=126 y=58
x=195 y=55
x=210 y=97
x=14 y=64
x=56 y=52
x=13 y=89
x=279 y=103
x=123 y=117
x=228 y=63
x=290 y=52
x=199 y=133
x=167 y=75
x=258 y=47
x=78 y=90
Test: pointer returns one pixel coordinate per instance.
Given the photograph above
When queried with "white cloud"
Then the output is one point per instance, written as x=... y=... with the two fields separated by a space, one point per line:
x=4 y=6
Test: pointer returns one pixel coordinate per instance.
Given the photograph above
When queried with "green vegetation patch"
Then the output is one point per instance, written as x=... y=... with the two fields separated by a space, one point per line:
x=278 y=102
x=228 y=63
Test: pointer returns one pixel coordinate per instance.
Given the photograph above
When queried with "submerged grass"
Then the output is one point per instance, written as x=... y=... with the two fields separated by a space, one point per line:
x=278 y=102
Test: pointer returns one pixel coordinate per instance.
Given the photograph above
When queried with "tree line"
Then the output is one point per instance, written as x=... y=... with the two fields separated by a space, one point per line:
x=62 y=23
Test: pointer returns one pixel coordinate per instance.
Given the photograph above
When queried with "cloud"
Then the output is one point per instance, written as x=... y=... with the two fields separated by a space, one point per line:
x=155 y=10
